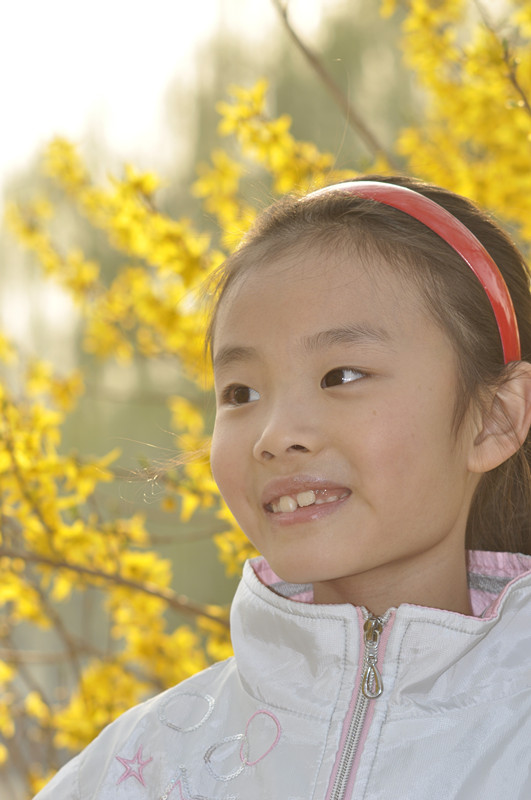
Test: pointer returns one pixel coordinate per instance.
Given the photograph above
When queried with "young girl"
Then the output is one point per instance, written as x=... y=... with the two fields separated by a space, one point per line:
x=373 y=406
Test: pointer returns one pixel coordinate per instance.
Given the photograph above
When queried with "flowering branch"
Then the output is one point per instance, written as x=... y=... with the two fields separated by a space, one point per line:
x=178 y=602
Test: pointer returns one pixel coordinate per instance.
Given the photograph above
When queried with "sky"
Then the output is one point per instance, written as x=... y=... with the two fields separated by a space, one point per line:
x=68 y=67
x=101 y=70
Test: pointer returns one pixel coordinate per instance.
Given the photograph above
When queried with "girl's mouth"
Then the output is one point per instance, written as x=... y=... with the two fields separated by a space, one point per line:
x=288 y=503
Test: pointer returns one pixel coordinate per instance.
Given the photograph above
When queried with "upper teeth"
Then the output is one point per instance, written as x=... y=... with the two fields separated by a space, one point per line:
x=288 y=503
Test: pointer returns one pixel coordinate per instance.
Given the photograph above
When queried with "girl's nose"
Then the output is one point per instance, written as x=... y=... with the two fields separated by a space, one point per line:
x=266 y=455
x=285 y=436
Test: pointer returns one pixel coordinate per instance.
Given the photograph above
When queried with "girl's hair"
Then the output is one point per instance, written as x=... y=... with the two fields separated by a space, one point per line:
x=500 y=515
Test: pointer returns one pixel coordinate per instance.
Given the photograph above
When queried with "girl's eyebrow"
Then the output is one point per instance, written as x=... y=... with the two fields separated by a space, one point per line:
x=231 y=354
x=346 y=334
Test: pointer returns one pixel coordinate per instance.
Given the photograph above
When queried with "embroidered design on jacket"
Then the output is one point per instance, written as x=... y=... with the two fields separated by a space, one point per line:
x=180 y=783
x=192 y=708
x=227 y=759
x=130 y=764
x=273 y=744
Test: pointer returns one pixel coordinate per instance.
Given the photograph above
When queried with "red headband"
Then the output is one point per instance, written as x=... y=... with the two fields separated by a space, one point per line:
x=459 y=237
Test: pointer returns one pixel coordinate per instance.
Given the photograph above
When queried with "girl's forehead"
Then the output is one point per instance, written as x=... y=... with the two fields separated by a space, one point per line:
x=297 y=265
x=304 y=286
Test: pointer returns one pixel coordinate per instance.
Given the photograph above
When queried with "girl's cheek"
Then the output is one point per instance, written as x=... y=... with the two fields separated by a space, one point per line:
x=223 y=455
x=216 y=450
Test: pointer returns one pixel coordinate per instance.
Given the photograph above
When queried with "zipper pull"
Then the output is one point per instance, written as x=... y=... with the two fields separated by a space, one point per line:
x=372 y=684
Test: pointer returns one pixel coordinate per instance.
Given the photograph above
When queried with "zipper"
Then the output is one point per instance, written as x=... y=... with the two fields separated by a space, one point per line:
x=371 y=687
x=372 y=684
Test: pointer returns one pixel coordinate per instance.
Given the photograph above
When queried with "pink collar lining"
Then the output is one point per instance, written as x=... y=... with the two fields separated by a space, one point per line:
x=489 y=573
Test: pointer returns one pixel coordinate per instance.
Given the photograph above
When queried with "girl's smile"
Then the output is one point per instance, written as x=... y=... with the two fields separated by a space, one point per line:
x=302 y=498
x=334 y=444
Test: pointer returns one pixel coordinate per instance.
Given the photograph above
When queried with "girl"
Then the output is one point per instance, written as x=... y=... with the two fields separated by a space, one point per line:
x=373 y=406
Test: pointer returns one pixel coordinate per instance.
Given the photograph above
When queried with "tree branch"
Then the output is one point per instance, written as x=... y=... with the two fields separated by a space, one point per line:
x=354 y=120
x=510 y=62
x=60 y=629
x=13 y=655
x=178 y=602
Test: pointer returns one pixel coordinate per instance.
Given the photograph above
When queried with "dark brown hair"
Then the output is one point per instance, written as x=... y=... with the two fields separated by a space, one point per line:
x=500 y=515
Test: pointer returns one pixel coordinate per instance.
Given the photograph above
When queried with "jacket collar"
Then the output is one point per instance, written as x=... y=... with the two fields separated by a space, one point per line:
x=296 y=655
x=489 y=575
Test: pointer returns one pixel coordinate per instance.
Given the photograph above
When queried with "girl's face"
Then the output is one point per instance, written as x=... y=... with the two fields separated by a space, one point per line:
x=334 y=444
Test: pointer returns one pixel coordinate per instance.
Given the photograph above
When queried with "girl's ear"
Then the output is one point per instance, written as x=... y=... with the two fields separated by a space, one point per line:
x=505 y=424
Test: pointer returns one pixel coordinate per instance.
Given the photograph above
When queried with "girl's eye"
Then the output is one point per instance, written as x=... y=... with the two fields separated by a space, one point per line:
x=341 y=375
x=238 y=395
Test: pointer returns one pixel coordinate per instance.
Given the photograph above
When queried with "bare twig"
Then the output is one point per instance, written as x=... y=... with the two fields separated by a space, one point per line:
x=60 y=630
x=512 y=65
x=21 y=746
x=18 y=709
x=510 y=62
x=352 y=117
x=13 y=655
x=27 y=677
x=19 y=765
x=178 y=602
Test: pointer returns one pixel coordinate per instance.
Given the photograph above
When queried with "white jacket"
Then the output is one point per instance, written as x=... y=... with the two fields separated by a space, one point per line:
x=287 y=719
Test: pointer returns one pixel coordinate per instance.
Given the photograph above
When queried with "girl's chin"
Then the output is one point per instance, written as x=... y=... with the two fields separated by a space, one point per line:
x=307 y=573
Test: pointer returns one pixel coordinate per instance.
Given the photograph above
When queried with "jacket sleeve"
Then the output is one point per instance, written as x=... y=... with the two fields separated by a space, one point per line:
x=86 y=777
x=64 y=785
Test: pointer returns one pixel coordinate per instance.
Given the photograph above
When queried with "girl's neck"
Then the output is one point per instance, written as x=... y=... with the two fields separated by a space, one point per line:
x=445 y=587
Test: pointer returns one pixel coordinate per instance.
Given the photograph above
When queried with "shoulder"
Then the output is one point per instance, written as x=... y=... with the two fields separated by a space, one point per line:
x=140 y=738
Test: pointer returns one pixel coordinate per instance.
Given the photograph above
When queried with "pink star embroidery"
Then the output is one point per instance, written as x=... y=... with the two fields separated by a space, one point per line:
x=130 y=763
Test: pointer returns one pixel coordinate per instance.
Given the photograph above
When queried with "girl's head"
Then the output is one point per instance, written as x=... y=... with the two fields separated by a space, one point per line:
x=339 y=257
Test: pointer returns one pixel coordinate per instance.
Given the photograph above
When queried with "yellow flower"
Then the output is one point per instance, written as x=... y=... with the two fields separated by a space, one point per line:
x=8 y=354
x=387 y=8
x=37 y=708
x=7 y=673
x=63 y=162
x=186 y=416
